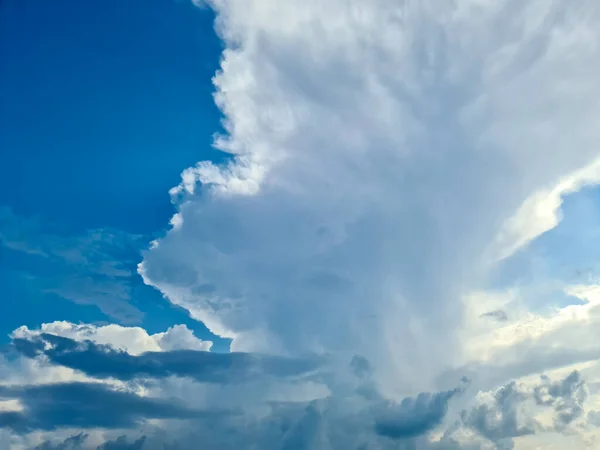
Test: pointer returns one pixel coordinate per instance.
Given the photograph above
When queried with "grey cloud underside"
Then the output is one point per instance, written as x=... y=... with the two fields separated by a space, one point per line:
x=101 y=361
x=331 y=422
x=414 y=416
x=78 y=442
x=74 y=442
x=88 y=405
x=121 y=443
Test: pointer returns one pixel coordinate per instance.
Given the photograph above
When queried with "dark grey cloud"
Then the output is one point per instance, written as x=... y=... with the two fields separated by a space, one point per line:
x=413 y=416
x=324 y=424
x=74 y=442
x=101 y=361
x=498 y=315
x=593 y=418
x=121 y=443
x=88 y=405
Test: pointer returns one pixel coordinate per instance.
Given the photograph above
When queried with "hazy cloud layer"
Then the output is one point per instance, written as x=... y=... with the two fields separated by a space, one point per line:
x=87 y=405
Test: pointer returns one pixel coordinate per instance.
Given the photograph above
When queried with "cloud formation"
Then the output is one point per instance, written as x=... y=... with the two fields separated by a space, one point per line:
x=103 y=361
x=385 y=158
x=388 y=161
x=87 y=405
x=133 y=340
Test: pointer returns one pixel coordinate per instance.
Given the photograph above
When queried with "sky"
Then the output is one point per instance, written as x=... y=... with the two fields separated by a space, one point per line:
x=101 y=108
x=299 y=225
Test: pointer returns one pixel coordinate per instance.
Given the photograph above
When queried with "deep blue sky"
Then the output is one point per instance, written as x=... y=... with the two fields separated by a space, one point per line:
x=102 y=105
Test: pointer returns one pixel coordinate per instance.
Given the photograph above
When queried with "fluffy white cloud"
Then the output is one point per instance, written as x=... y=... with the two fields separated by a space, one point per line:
x=385 y=155
x=133 y=340
x=386 y=158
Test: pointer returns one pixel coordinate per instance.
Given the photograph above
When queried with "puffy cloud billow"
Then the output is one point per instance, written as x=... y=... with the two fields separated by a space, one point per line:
x=380 y=231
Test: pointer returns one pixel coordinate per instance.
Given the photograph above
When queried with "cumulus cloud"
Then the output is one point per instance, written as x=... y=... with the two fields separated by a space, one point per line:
x=384 y=157
x=414 y=416
x=567 y=397
x=121 y=443
x=387 y=159
x=523 y=409
x=133 y=340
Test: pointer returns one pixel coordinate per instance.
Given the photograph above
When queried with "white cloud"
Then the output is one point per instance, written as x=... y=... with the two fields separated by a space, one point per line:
x=541 y=211
x=530 y=342
x=385 y=158
x=133 y=340
x=379 y=150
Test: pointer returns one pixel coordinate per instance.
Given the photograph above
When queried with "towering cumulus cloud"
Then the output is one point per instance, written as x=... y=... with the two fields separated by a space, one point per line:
x=386 y=156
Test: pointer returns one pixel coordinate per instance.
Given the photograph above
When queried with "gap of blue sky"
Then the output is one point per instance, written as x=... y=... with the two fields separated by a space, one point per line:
x=101 y=107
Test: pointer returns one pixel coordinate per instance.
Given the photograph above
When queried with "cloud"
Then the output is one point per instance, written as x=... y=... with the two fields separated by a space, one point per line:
x=94 y=268
x=87 y=405
x=414 y=416
x=567 y=397
x=74 y=442
x=500 y=416
x=383 y=159
x=532 y=340
x=133 y=340
x=121 y=444
x=498 y=315
x=520 y=410
x=324 y=424
x=103 y=361
x=199 y=3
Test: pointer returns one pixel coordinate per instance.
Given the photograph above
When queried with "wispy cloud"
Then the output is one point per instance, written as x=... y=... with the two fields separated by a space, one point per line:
x=94 y=268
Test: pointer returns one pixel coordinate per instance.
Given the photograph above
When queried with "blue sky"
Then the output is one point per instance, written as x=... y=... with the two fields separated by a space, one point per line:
x=102 y=107
x=93 y=100
x=297 y=225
